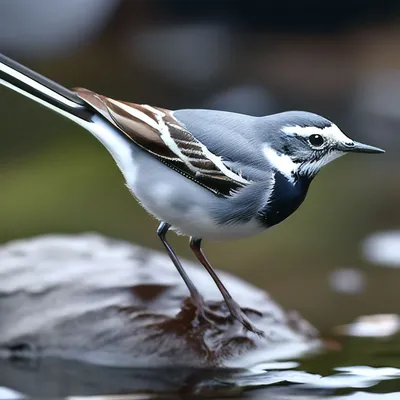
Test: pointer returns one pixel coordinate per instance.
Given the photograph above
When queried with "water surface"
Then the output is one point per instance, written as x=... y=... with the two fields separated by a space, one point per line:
x=354 y=368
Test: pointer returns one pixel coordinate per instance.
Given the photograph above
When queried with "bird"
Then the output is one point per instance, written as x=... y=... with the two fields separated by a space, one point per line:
x=205 y=174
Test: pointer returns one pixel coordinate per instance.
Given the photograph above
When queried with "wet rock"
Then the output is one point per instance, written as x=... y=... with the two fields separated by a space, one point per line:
x=89 y=298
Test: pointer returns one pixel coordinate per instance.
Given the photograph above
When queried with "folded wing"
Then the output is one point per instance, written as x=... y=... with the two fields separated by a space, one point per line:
x=159 y=133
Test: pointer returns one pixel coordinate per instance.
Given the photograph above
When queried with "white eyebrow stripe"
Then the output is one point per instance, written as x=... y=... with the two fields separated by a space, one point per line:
x=332 y=132
x=281 y=162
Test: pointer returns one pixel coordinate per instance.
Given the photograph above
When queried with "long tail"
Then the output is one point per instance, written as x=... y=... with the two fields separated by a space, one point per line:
x=46 y=92
x=70 y=105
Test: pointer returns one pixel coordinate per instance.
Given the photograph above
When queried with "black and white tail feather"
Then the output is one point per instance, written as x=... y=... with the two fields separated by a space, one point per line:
x=154 y=129
x=41 y=89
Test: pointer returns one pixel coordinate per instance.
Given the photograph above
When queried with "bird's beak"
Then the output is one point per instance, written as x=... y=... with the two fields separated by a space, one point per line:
x=356 y=147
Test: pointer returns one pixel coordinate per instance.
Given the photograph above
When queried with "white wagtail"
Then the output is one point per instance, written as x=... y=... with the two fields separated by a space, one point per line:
x=203 y=173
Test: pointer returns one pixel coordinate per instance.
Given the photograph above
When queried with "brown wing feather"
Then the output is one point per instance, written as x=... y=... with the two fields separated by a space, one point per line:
x=141 y=133
x=158 y=132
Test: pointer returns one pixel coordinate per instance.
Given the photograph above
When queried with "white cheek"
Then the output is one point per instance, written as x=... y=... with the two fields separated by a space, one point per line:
x=280 y=162
x=311 y=168
x=332 y=156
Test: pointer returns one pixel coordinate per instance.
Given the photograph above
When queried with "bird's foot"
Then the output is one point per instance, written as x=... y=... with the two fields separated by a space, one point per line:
x=202 y=311
x=201 y=314
x=240 y=316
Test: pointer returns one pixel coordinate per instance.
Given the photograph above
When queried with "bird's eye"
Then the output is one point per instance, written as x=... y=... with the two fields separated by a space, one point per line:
x=316 y=140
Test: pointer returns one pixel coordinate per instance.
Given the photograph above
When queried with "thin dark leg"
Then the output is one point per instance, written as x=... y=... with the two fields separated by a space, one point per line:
x=194 y=293
x=234 y=308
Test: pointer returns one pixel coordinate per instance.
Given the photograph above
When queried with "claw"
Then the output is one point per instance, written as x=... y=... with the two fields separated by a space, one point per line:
x=241 y=317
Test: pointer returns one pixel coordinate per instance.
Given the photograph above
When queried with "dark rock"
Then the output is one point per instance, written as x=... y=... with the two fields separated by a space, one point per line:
x=108 y=302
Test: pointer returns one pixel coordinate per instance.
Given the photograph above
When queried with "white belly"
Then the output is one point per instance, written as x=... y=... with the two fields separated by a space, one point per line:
x=167 y=195
x=190 y=218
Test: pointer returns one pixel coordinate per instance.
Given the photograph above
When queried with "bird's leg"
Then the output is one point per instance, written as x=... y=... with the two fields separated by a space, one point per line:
x=196 y=297
x=234 y=308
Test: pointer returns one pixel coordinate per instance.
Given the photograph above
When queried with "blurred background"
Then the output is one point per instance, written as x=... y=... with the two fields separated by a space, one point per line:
x=335 y=258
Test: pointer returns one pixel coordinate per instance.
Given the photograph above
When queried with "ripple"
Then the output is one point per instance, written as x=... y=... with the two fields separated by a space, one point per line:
x=122 y=384
x=368 y=396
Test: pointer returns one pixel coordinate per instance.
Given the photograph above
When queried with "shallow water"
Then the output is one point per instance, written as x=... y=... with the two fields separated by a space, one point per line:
x=354 y=368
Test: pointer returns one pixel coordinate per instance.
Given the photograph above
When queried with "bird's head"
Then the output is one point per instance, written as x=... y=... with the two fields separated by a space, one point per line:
x=305 y=142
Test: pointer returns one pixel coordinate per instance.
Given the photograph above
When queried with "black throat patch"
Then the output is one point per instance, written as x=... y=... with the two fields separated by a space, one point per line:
x=286 y=197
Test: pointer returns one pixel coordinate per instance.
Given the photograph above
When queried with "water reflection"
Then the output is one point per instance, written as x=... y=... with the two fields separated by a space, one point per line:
x=319 y=377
